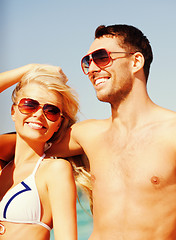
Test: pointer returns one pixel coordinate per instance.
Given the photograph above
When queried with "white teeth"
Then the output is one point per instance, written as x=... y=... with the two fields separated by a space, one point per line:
x=100 y=80
x=35 y=125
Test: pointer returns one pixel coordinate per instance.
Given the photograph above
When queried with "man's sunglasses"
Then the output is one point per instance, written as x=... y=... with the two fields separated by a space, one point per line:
x=100 y=57
x=28 y=106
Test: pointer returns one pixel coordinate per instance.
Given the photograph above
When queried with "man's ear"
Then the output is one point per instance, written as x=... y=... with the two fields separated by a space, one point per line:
x=13 y=112
x=138 y=62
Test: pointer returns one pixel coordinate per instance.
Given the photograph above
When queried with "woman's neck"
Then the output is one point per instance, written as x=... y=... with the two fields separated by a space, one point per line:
x=27 y=150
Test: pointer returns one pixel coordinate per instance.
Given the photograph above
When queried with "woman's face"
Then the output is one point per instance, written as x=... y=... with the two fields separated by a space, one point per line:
x=35 y=126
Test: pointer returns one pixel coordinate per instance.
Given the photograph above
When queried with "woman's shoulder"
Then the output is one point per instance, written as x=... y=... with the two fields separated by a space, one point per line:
x=57 y=177
x=56 y=167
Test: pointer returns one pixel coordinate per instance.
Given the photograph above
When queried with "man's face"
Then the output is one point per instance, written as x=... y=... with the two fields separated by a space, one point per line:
x=112 y=82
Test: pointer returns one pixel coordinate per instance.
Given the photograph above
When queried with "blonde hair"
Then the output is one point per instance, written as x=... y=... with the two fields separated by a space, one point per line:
x=81 y=171
x=54 y=80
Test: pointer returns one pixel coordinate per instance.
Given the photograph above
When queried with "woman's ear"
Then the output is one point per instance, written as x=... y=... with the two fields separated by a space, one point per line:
x=13 y=112
x=138 y=62
x=60 y=123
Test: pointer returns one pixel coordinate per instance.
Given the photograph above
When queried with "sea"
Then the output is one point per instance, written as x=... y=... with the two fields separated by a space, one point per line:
x=84 y=219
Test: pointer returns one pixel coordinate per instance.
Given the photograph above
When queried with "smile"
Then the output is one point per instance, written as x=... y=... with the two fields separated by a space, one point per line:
x=35 y=126
x=100 y=81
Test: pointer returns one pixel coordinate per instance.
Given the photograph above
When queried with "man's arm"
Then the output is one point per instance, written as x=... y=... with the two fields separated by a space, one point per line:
x=7 y=146
x=68 y=146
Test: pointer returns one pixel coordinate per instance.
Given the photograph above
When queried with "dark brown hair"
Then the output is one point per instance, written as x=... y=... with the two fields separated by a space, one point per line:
x=131 y=39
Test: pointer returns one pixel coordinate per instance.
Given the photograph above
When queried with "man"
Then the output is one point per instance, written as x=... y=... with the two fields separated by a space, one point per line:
x=131 y=154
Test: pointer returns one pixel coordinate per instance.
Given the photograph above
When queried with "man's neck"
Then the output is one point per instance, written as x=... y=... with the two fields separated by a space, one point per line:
x=134 y=110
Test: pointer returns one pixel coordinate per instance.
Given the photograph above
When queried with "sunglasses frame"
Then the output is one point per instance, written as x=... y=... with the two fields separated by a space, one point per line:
x=92 y=59
x=37 y=108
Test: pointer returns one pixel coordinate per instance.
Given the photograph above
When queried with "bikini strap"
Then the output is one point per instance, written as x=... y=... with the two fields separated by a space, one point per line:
x=38 y=163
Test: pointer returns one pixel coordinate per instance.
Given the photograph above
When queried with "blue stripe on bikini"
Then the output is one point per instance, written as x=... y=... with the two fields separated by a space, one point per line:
x=27 y=188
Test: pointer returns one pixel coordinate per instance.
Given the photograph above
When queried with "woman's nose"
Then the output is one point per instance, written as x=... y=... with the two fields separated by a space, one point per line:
x=39 y=112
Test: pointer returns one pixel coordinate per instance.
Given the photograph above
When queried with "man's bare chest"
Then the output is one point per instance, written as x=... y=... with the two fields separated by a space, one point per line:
x=143 y=160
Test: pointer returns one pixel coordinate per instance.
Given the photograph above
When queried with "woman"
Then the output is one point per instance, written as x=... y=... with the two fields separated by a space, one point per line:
x=38 y=193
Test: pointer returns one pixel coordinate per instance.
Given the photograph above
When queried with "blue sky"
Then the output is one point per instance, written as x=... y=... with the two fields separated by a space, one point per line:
x=60 y=33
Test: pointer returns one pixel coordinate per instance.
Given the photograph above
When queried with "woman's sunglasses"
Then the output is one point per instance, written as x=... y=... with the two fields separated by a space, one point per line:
x=28 y=106
x=100 y=57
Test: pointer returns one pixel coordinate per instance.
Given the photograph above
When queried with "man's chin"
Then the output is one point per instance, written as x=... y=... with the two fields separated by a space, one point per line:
x=102 y=98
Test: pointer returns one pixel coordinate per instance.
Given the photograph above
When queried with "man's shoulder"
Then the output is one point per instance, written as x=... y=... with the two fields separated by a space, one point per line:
x=168 y=116
x=91 y=125
x=89 y=129
x=92 y=122
x=166 y=119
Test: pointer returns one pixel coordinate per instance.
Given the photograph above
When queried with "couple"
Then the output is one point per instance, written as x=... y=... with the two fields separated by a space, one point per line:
x=131 y=154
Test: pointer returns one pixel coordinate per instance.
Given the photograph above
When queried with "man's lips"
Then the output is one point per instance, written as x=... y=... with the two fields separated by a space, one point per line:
x=101 y=80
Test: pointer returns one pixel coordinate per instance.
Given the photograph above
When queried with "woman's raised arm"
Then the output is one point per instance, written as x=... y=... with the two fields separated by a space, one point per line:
x=9 y=78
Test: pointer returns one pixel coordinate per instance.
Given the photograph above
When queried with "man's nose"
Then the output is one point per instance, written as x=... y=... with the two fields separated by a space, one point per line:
x=93 y=67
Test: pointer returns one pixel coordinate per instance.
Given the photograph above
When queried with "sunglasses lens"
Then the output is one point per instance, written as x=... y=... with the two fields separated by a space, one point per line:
x=27 y=106
x=51 y=112
x=85 y=64
x=100 y=57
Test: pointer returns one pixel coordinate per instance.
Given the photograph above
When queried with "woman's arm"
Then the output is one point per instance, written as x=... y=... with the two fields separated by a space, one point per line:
x=9 y=78
x=62 y=196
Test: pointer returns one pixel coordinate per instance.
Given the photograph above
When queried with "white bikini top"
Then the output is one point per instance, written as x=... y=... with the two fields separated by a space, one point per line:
x=21 y=204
